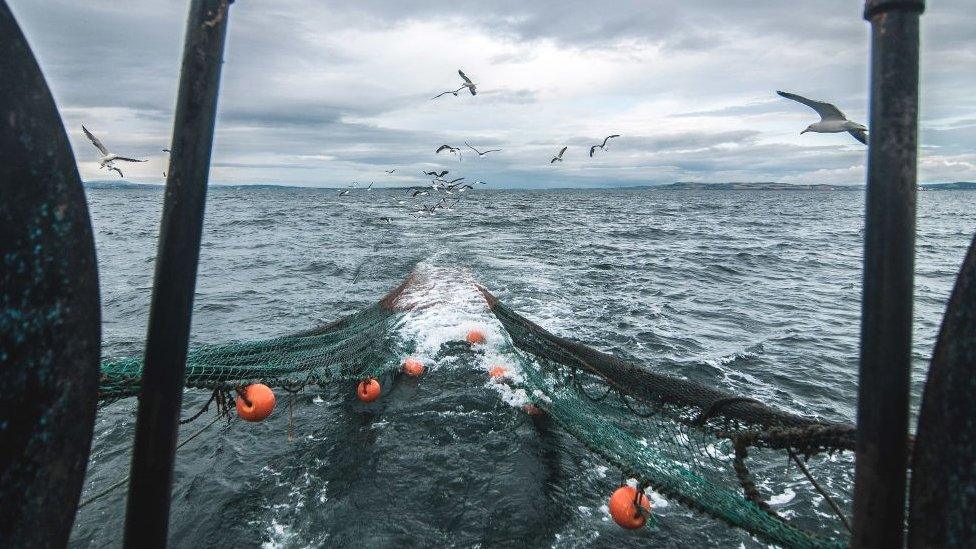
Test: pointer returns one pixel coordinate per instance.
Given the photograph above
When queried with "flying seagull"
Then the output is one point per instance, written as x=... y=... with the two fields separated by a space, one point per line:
x=452 y=150
x=437 y=174
x=467 y=83
x=481 y=153
x=344 y=192
x=455 y=92
x=559 y=156
x=390 y=172
x=602 y=146
x=831 y=119
x=370 y=187
x=107 y=160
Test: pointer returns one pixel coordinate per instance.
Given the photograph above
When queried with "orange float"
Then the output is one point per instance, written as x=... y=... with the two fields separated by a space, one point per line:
x=475 y=337
x=412 y=367
x=255 y=402
x=368 y=390
x=625 y=510
x=498 y=371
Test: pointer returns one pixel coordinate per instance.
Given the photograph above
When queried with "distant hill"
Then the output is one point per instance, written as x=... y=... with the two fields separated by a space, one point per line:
x=957 y=186
x=108 y=184
x=773 y=186
x=754 y=186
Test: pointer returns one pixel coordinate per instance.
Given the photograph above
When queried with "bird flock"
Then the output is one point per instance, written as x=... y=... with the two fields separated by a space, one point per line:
x=446 y=194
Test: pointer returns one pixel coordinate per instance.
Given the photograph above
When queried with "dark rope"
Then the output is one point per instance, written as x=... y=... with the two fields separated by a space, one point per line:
x=125 y=480
x=826 y=496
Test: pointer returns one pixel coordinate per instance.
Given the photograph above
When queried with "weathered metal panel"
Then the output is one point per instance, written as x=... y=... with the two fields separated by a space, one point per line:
x=49 y=308
x=942 y=506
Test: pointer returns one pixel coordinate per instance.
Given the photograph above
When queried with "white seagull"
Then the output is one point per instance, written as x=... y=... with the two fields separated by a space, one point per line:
x=107 y=160
x=831 y=119
x=558 y=157
x=481 y=153
x=467 y=83
x=602 y=146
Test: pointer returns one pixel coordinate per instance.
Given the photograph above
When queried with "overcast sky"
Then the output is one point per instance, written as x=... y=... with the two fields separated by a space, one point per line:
x=323 y=93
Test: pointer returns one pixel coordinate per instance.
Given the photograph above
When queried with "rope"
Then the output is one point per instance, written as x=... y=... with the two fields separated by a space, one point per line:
x=125 y=480
x=826 y=496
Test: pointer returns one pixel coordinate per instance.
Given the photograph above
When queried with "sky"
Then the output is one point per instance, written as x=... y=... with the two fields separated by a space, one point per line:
x=324 y=93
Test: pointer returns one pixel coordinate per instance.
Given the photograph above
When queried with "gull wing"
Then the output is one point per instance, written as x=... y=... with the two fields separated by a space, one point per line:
x=94 y=141
x=608 y=138
x=442 y=147
x=592 y=149
x=825 y=110
x=472 y=90
x=127 y=159
x=859 y=134
x=465 y=77
x=562 y=151
x=492 y=151
x=472 y=148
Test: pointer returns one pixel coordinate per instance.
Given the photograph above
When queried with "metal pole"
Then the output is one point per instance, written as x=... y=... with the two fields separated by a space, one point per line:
x=889 y=256
x=147 y=512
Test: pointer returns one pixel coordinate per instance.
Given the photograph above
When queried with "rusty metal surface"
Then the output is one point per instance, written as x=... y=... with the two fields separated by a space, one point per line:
x=942 y=506
x=49 y=308
x=150 y=479
x=889 y=252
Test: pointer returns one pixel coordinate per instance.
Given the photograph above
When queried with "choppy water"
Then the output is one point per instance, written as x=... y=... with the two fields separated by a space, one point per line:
x=755 y=292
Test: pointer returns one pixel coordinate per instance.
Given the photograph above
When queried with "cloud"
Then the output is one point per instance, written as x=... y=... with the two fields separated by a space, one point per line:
x=325 y=92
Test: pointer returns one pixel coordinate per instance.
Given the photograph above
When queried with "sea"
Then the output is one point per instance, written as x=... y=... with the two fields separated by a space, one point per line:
x=755 y=292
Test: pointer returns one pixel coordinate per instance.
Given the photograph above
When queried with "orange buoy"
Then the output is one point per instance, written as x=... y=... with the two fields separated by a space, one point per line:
x=475 y=337
x=413 y=367
x=255 y=402
x=532 y=410
x=498 y=371
x=368 y=390
x=624 y=507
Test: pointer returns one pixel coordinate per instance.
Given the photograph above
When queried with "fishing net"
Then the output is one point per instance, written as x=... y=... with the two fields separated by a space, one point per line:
x=357 y=347
x=690 y=442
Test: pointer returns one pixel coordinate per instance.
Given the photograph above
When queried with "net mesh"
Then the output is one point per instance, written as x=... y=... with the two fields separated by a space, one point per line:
x=687 y=441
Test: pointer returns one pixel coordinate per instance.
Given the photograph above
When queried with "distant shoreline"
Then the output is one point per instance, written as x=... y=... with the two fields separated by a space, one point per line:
x=679 y=186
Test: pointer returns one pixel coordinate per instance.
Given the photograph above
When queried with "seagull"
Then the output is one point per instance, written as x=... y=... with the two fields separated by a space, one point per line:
x=455 y=92
x=480 y=153
x=390 y=172
x=419 y=192
x=831 y=119
x=107 y=159
x=559 y=156
x=437 y=174
x=602 y=146
x=467 y=83
x=452 y=150
x=386 y=220
x=344 y=192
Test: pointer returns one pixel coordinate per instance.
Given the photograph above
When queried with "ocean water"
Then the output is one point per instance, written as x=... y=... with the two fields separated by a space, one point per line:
x=754 y=292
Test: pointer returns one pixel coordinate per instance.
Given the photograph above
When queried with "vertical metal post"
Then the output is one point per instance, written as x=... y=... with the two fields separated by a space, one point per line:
x=147 y=512
x=889 y=262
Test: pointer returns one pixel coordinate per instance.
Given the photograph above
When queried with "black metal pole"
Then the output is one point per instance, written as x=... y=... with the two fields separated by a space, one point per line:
x=889 y=263
x=147 y=512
